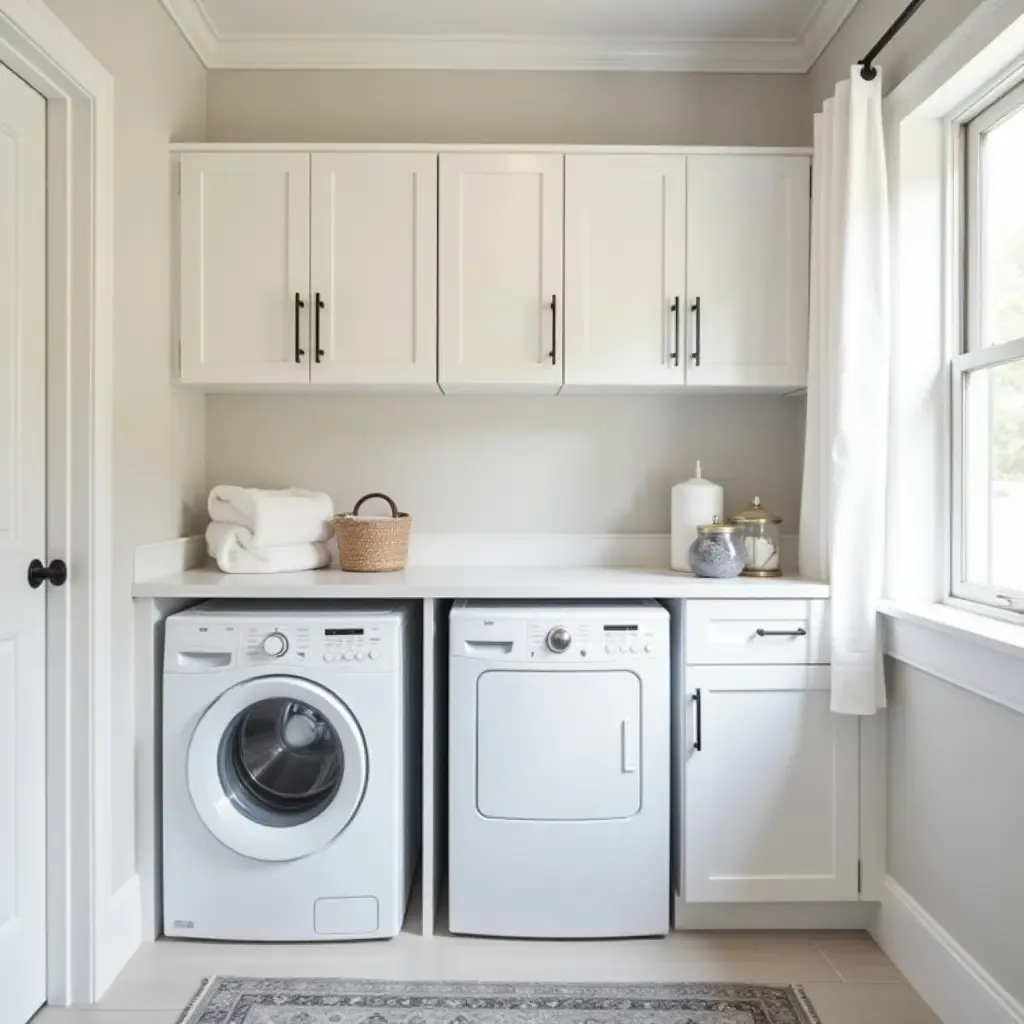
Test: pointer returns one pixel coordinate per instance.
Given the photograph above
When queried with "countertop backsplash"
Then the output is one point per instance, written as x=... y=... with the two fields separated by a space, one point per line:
x=514 y=464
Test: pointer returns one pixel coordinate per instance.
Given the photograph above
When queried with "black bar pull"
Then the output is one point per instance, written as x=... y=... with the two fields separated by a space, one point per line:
x=299 y=307
x=674 y=354
x=698 y=743
x=554 y=330
x=782 y=632
x=695 y=356
x=317 y=349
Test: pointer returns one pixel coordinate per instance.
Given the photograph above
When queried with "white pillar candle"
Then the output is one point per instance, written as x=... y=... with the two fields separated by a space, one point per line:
x=695 y=502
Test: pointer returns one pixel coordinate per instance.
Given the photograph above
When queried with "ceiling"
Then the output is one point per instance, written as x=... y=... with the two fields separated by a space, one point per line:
x=652 y=35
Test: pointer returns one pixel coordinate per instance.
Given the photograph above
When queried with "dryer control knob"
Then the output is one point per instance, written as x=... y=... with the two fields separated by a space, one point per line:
x=275 y=644
x=559 y=640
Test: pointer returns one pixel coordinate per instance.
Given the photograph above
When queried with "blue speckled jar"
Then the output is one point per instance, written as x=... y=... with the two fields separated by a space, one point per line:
x=718 y=552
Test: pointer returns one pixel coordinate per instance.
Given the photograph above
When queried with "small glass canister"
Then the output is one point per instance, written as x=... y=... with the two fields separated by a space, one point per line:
x=717 y=553
x=760 y=533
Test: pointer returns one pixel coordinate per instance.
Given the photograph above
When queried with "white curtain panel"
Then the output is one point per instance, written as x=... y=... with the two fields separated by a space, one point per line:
x=842 y=523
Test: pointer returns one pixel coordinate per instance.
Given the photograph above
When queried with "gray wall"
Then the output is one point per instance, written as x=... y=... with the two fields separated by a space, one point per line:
x=932 y=23
x=956 y=815
x=511 y=463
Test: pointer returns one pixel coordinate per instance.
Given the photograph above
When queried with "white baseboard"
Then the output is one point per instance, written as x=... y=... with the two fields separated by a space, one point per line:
x=118 y=933
x=166 y=557
x=949 y=979
x=772 y=916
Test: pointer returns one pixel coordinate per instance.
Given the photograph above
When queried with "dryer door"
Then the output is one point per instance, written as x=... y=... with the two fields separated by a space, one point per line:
x=277 y=768
x=558 y=746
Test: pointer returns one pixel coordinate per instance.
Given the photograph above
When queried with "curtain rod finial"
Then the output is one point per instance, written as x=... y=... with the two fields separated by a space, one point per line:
x=868 y=73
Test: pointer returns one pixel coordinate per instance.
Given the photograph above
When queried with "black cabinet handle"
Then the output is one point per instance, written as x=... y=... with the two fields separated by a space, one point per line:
x=38 y=574
x=674 y=354
x=319 y=306
x=554 y=330
x=299 y=307
x=782 y=632
x=698 y=744
x=695 y=308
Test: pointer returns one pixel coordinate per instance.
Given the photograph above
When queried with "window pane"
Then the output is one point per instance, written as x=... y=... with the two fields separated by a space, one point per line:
x=994 y=476
x=1002 y=236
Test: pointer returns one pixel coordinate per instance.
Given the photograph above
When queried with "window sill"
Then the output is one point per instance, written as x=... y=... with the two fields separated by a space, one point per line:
x=982 y=655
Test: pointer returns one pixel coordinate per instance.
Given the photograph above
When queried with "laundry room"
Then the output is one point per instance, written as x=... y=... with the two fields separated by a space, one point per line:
x=506 y=510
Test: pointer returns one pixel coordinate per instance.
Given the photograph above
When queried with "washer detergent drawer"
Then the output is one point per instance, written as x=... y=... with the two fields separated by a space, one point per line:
x=558 y=746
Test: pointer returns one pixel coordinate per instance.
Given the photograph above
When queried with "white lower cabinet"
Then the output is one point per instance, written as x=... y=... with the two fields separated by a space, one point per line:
x=771 y=779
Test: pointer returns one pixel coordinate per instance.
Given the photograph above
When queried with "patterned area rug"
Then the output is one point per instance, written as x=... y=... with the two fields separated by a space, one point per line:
x=333 y=1001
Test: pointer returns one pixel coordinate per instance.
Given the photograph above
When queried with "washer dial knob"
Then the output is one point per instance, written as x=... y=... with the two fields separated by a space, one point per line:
x=275 y=645
x=559 y=640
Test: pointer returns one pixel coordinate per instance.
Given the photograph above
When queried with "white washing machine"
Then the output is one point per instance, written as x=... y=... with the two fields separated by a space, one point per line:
x=559 y=781
x=290 y=756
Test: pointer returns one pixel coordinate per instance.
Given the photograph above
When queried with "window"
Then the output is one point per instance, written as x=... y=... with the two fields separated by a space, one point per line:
x=988 y=374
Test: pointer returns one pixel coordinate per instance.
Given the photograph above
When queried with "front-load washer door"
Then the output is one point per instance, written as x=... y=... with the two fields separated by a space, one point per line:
x=277 y=768
x=558 y=746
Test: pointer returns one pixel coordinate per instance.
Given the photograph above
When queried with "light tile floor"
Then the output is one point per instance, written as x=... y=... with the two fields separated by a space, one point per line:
x=848 y=978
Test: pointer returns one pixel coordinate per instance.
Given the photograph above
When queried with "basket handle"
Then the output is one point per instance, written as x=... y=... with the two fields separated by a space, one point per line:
x=395 y=514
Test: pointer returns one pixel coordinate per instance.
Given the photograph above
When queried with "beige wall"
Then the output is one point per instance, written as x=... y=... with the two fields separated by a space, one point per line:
x=491 y=106
x=514 y=464
x=160 y=94
x=510 y=463
x=956 y=818
x=932 y=23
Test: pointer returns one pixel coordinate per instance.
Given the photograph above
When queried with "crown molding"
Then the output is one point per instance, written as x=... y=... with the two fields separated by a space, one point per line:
x=824 y=22
x=191 y=18
x=506 y=53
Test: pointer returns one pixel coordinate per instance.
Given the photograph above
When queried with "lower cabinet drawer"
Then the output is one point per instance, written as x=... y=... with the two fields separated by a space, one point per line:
x=756 y=633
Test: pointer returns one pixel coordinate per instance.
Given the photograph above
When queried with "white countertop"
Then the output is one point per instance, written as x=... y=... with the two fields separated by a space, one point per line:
x=516 y=582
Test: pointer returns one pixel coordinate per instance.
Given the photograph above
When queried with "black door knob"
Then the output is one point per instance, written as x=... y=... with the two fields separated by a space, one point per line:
x=38 y=574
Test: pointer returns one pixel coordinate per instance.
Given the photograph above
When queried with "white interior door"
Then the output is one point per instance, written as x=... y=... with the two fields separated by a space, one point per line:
x=748 y=254
x=374 y=268
x=772 y=808
x=245 y=309
x=558 y=746
x=22 y=538
x=500 y=271
x=625 y=270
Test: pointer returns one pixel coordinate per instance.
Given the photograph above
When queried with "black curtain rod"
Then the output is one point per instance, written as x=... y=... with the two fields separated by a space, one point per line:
x=867 y=71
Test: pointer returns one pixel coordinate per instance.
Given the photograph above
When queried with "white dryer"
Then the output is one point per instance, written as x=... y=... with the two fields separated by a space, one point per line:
x=290 y=752
x=559 y=781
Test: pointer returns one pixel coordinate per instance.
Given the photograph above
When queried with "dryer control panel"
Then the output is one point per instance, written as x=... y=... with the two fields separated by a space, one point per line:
x=570 y=637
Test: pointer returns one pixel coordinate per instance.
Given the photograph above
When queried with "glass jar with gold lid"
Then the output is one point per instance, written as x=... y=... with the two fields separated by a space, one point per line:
x=760 y=533
x=717 y=553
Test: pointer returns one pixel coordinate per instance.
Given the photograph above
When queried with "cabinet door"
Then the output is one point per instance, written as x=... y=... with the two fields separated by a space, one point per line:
x=374 y=268
x=244 y=268
x=748 y=252
x=771 y=805
x=500 y=272
x=625 y=270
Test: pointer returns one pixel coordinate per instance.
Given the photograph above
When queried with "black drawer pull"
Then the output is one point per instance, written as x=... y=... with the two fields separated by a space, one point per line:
x=782 y=632
x=698 y=743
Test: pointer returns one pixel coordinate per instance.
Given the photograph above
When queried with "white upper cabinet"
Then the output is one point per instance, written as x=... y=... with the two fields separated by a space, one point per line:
x=244 y=268
x=500 y=272
x=374 y=277
x=771 y=779
x=625 y=270
x=748 y=254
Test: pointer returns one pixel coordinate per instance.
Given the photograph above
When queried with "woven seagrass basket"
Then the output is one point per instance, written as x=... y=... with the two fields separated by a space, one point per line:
x=373 y=544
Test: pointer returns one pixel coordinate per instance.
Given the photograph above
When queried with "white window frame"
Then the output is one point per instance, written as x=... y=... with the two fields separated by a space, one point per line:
x=1006 y=601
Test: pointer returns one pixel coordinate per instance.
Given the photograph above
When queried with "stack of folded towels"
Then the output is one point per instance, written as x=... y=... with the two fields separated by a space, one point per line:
x=269 y=531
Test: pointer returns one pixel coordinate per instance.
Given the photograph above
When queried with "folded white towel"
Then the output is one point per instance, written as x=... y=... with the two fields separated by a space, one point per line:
x=223 y=541
x=273 y=518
